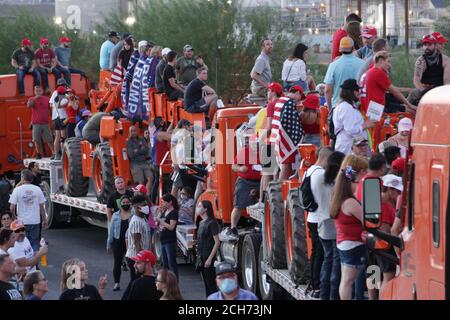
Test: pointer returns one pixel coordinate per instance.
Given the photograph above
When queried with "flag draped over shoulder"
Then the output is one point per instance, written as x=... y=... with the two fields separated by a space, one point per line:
x=129 y=77
x=287 y=131
x=138 y=107
x=117 y=76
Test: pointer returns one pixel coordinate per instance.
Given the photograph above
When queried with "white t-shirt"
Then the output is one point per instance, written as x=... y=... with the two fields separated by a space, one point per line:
x=313 y=217
x=28 y=199
x=293 y=71
x=22 y=250
x=55 y=111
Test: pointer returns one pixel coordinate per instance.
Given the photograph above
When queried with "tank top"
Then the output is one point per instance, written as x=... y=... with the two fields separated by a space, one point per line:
x=434 y=75
x=348 y=228
x=311 y=128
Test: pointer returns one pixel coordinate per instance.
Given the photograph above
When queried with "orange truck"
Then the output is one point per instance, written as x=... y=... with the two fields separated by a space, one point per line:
x=423 y=247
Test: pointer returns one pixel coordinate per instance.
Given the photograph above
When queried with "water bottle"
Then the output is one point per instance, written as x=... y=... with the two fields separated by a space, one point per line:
x=43 y=257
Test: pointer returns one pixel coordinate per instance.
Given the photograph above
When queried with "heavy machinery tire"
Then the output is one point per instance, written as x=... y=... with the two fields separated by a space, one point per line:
x=52 y=210
x=275 y=227
x=296 y=245
x=249 y=262
x=75 y=185
x=268 y=289
x=102 y=172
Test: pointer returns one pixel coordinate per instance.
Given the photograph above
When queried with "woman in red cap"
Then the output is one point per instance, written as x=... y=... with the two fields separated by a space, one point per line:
x=311 y=120
x=24 y=63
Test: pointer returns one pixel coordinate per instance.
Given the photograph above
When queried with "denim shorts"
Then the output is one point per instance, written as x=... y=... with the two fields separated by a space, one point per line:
x=354 y=258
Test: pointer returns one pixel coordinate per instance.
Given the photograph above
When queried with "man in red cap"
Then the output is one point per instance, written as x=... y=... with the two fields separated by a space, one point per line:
x=441 y=40
x=432 y=69
x=63 y=54
x=23 y=61
x=369 y=36
x=46 y=63
x=144 y=286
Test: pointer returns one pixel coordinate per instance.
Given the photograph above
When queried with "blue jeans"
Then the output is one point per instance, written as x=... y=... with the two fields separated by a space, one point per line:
x=44 y=75
x=65 y=72
x=301 y=83
x=21 y=76
x=33 y=233
x=360 y=285
x=312 y=139
x=330 y=274
x=169 y=256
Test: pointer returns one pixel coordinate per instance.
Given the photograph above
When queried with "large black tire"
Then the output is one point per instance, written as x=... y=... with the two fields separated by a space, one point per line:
x=102 y=172
x=75 y=184
x=52 y=210
x=276 y=247
x=268 y=289
x=296 y=245
x=249 y=262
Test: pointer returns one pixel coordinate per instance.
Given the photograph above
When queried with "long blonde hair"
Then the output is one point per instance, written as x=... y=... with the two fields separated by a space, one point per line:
x=156 y=51
x=343 y=187
x=171 y=282
x=65 y=271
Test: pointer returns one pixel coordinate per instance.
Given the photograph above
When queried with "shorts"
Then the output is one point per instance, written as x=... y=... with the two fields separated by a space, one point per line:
x=354 y=258
x=198 y=107
x=385 y=264
x=141 y=172
x=42 y=132
x=242 y=198
x=58 y=124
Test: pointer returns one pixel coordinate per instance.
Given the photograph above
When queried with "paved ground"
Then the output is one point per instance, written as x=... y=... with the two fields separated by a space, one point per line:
x=88 y=243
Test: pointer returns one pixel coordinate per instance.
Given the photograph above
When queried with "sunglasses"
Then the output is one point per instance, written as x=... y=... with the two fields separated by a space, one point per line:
x=19 y=230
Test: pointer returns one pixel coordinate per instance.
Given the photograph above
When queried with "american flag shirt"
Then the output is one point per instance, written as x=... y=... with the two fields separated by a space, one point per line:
x=287 y=131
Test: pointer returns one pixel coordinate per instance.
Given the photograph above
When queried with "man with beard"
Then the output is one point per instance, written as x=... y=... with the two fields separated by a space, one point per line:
x=432 y=69
x=144 y=286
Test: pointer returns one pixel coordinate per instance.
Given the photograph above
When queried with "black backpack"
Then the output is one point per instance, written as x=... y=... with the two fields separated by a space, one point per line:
x=331 y=132
x=306 y=196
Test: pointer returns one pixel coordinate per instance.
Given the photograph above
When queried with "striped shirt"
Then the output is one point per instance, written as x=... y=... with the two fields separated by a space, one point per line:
x=117 y=76
x=137 y=225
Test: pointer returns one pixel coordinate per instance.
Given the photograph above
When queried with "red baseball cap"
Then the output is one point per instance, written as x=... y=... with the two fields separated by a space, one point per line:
x=276 y=87
x=429 y=38
x=369 y=32
x=297 y=88
x=44 y=41
x=439 y=37
x=61 y=90
x=145 y=256
x=26 y=42
x=65 y=40
x=140 y=188
x=312 y=101
x=16 y=225
x=399 y=164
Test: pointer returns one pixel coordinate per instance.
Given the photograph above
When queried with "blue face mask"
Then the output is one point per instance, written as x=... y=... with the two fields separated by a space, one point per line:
x=228 y=285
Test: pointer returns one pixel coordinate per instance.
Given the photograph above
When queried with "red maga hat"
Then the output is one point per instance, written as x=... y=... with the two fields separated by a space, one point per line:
x=26 y=42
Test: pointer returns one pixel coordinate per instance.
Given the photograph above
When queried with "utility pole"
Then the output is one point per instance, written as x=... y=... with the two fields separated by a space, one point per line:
x=384 y=19
x=359 y=6
x=407 y=26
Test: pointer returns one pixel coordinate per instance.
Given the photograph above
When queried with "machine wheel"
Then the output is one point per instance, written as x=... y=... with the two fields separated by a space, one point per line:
x=52 y=210
x=274 y=227
x=268 y=289
x=249 y=262
x=102 y=172
x=296 y=245
x=75 y=185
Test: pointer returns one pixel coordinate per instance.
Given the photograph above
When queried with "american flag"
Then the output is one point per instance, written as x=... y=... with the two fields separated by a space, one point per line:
x=117 y=76
x=287 y=131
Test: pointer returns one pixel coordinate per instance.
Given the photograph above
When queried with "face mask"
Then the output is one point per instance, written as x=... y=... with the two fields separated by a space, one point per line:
x=199 y=211
x=145 y=210
x=228 y=285
x=126 y=207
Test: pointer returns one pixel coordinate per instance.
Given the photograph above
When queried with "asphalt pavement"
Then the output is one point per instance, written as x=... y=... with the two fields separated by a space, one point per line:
x=89 y=244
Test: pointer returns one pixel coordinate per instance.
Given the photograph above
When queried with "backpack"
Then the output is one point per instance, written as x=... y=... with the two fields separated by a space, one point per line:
x=331 y=132
x=307 y=201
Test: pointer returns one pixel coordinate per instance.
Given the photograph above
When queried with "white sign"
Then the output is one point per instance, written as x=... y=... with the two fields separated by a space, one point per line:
x=375 y=111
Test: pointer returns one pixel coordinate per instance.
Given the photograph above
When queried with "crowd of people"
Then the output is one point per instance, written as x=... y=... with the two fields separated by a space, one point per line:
x=356 y=80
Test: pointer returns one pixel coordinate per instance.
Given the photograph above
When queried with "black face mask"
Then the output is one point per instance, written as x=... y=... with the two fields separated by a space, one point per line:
x=126 y=207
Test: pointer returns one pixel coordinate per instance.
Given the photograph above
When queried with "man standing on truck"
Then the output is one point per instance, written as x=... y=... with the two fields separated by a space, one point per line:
x=27 y=203
x=187 y=65
x=171 y=87
x=106 y=48
x=160 y=70
x=113 y=203
x=261 y=73
x=40 y=107
x=432 y=69
x=139 y=154
x=23 y=61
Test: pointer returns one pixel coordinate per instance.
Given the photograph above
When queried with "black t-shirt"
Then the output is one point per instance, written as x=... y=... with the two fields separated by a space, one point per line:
x=143 y=288
x=169 y=72
x=37 y=180
x=88 y=292
x=23 y=58
x=8 y=292
x=193 y=92
x=206 y=231
x=114 y=200
x=166 y=235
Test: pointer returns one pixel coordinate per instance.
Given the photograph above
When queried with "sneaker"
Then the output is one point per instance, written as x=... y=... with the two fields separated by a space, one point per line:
x=53 y=157
x=38 y=156
x=232 y=232
x=116 y=287
x=315 y=294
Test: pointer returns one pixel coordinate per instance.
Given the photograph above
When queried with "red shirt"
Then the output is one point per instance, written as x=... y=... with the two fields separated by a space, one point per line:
x=44 y=56
x=338 y=35
x=348 y=228
x=377 y=84
x=248 y=158
x=40 y=110
x=387 y=213
x=71 y=114
x=271 y=109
